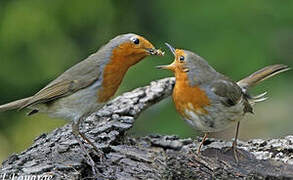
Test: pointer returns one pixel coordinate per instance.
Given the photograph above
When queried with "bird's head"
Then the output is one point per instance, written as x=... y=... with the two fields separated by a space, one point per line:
x=182 y=61
x=188 y=64
x=131 y=48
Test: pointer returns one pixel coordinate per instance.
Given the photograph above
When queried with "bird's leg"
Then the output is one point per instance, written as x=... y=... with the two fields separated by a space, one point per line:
x=83 y=136
x=77 y=133
x=201 y=143
x=234 y=144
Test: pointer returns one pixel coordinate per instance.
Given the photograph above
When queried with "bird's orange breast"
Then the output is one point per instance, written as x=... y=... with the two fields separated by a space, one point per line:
x=115 y=70
x=189 y=98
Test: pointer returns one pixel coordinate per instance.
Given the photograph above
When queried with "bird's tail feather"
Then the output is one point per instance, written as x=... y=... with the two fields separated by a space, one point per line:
x=259 y=76
x=14 y=105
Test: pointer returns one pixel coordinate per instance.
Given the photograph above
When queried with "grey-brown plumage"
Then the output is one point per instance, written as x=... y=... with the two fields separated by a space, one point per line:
x=261 y=75
x=230 y=93
x=14 y=105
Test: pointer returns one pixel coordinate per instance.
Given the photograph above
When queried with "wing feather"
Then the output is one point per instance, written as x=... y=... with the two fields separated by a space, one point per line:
x=77 y=77
x=230 y=93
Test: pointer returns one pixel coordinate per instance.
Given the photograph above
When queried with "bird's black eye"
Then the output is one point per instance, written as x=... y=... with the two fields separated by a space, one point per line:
x=135 y=41
x=181 y=58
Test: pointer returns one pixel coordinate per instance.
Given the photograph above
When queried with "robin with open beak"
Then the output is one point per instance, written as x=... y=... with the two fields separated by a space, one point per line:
x=210 y=101
x=87 y=86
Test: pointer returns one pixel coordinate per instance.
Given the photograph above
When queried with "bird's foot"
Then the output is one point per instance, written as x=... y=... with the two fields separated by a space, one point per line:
x=98 y=151
x=88 y=158
x=236 y=152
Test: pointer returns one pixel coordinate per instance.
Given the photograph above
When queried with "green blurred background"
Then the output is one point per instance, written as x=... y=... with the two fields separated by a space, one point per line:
x=40 y=39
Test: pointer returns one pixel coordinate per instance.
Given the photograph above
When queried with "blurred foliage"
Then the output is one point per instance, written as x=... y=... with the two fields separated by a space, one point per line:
x=41 y=39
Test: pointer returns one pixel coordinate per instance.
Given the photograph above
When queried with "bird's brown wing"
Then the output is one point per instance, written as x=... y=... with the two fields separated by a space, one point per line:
x=56 y=90
x=51 y=92
x=230 y=93
x=78 y=77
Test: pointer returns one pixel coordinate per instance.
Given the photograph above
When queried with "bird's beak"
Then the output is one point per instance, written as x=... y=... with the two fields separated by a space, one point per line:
x=154 y=51
x=171 y=49
x=170 y=67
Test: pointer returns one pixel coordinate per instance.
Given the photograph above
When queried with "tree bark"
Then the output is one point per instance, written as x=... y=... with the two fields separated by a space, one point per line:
x=58 y=155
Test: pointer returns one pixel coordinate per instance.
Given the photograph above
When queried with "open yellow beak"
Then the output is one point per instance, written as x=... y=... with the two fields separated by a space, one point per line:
x=170 y=67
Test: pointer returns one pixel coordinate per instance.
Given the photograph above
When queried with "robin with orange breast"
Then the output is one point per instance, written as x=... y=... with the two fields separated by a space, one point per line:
x=208 y=100
x=87 y=86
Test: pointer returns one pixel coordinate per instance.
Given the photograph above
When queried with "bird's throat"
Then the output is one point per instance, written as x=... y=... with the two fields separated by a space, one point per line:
x=113 y=74
x=187 y=97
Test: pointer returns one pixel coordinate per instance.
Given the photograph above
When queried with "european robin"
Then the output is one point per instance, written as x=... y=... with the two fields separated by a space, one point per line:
x=210 y=101
x=88 y=85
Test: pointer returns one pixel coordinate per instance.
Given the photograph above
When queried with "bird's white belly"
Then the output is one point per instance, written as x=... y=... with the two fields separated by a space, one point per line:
x=218 y=118
x=73 y=107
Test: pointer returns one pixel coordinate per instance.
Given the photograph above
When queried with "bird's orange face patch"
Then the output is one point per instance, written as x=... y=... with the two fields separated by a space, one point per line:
x=133 y=51
x=178 y=65
x=185 y=96
x=123 y=57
